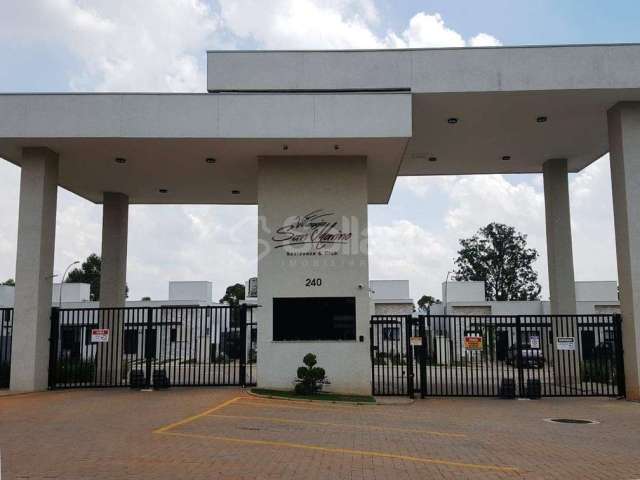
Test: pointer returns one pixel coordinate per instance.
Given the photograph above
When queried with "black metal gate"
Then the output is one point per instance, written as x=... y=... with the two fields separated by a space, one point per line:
x=6 y=334
x=497 y=355
x=147 y=346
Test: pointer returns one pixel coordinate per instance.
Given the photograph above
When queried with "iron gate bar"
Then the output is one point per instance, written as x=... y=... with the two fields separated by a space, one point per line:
x=517 y=347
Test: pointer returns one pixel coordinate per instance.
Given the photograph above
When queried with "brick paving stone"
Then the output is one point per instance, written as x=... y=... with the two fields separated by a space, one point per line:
x=109 y=434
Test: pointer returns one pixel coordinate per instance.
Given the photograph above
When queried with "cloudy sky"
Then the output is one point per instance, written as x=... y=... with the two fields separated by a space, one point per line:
x=159 y=45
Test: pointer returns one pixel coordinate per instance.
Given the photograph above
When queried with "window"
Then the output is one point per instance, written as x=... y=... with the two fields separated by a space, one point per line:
x=173 y=335
x=321 y=318
x=130 y=342
x=391 y=333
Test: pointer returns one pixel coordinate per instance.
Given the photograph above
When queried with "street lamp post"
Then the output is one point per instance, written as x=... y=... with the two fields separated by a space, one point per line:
x=62 y=282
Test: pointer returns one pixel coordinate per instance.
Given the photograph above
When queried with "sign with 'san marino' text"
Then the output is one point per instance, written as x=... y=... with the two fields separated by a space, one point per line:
x=315 y=233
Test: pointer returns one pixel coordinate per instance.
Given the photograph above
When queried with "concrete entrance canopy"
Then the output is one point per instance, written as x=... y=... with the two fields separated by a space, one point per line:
x=166 y=139
x=312 y=137
x=496 y=94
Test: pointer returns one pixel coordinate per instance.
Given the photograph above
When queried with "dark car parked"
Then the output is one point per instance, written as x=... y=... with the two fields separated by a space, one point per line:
x=531 y=357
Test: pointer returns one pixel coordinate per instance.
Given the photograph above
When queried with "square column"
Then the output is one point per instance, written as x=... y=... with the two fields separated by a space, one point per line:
x=34 y=269
x=113 y=275
x=562 y=286
x=113 y=285
x=624 y=147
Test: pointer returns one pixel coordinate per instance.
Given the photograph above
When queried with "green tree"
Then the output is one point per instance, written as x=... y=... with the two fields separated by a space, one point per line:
x=9 y=282
x=233 y=294
x=498 y=255
x=89 y=273
x=426 y=301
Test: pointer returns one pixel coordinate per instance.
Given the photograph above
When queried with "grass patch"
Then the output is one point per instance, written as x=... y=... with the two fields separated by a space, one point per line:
x=329 y=397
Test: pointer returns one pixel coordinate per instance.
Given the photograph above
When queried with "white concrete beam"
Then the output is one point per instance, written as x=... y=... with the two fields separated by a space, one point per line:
x=624 y=142
x=34 y=269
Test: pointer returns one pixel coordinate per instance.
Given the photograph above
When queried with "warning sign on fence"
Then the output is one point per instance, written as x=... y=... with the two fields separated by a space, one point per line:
x=566 y=343
x=99 y=335
x=415 y=341
x=472 y=342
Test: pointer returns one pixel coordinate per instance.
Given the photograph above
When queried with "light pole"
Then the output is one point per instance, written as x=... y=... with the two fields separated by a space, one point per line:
x=62 y=282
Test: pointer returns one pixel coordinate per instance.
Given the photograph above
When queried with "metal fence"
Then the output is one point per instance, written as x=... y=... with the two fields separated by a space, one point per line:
x=497 y=355
x=6 y=334
x=152 y=346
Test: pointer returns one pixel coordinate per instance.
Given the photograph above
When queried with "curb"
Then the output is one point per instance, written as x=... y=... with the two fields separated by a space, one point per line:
x=308 y=400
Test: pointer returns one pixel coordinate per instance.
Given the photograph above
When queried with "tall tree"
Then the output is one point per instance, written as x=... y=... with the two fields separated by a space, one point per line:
x=88 y=273
x=9 y=282
x=425 y=301
x=499 y=256
x=233 y=294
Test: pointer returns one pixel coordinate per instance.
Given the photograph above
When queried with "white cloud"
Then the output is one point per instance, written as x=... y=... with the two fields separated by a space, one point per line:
x=484 y=40
x=427 y=31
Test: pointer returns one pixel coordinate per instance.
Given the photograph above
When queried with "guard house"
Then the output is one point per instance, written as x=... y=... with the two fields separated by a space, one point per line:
x=312 y=138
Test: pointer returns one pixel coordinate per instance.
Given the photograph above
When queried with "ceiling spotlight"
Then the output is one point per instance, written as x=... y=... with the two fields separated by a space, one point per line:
x=433 y=159
x=506 y=157
x=163 y=190
x=452 y=120
x=336 y=147
x=541 y=119
x=210 y=160
x=120 y=160
x=235 y=192
x=285 y=147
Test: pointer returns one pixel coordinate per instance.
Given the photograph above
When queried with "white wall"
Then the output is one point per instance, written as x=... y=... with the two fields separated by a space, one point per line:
x=198 y=291
x=463 y=291
x=71 y=292
x=390 y=289
x=597 y=291
x=7 y=296
x=289 y=187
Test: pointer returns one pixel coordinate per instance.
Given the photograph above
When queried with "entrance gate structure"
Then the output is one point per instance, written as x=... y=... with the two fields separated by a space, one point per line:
x=497 y=355
x=146 y=346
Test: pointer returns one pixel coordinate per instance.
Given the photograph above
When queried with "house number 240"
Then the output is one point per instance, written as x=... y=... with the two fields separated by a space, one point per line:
x=313 y=282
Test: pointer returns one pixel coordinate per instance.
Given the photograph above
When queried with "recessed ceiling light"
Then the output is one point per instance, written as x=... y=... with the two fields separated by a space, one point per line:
x=336 y=147
x=235 y=192
x=452 y=120
x=285 y=147
x=433 y=159
x=210 y=160
x=541 y=119
x=506 y=157
x=163 y=190
x=120 y=160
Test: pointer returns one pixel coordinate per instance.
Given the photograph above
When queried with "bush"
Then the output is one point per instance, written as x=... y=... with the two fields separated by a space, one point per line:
x=310 y=378
x=601 y=371
x=75 y=371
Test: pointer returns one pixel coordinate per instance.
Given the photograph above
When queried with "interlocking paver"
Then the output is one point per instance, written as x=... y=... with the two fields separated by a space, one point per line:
x=225 y=433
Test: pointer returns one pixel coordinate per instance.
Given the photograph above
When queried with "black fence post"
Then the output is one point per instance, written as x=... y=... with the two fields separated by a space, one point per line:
x=53 y=347
x=243 y=345
x=423 y=356
x=521 y=392
x=409 y=350
x=148 y=349
x=619 y=352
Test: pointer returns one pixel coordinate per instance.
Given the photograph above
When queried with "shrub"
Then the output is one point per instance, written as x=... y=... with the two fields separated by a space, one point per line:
x=75 y=371
x=5 y=369
x=601 y=371
x=310 y=378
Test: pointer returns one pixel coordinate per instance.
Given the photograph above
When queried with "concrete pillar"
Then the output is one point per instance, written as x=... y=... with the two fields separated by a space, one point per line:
x=624 y=147
x=34 y=269
x=113 y=285
x=113 y=276
x=562 y=286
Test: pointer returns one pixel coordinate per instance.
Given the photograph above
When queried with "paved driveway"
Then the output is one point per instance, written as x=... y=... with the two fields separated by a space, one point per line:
x=224 y=433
